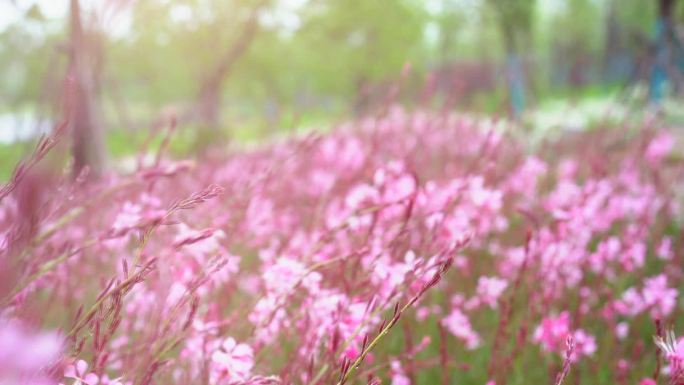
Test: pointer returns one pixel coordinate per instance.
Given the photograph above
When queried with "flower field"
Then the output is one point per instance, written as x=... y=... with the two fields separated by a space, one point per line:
x=411 y=248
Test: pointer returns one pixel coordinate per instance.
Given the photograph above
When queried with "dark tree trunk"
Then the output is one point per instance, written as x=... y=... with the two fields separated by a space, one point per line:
x=665 y=9
x=662 y=52
x=85 y=120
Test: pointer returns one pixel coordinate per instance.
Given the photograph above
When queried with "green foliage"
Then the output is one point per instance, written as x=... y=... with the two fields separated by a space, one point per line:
x=354 y=40
x=310 y=58
x=28 y=55
x=10 y=155
x=515 y=19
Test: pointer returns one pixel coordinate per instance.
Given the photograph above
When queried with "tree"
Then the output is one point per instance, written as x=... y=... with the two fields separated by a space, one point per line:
x=196 y=43
x=85 y=71
x=209 y=97
x=515 y=19
x=667 y=52
x=580 y=41
x=357 y=44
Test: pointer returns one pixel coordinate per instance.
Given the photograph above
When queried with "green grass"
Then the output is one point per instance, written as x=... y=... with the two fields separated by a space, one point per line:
x=560 y=107
x=10 y=155
x=186 y=141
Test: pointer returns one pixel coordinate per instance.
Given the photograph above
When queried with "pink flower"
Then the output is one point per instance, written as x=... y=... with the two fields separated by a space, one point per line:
x=459 y=325
x=655 y=297
x=128 y=217
x=664 y=250
x=233 y=361
x=422 y=313
x=79 y=371
x=26 y=352
x=622 y=330
x=489 y=289
x=361 y=195
x=553 y=332
x=397 y=373
x=585 y=343
x=282 y=276
x=673 y=350
x=659 y=147
x=524 y=179
x=660 y=298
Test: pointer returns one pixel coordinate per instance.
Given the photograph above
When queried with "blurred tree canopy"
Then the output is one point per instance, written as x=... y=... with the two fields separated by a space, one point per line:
x=214 y=60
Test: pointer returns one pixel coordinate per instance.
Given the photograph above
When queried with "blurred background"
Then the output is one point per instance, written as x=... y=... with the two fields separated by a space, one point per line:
x=241 y=71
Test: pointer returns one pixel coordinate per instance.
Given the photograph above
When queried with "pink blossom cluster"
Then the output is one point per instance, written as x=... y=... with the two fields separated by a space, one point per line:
x=554 y=331
x=26 y=354
x=409 y=248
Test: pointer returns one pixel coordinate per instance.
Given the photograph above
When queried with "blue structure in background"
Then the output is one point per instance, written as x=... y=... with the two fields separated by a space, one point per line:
x=669 y=51
x=515 y=75
x=658 y=79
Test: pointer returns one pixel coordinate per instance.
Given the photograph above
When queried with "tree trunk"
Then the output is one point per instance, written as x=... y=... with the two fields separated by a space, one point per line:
x=362 y=99
x=515 y=24
x=612 y=69
x=662 y=57
x=85 y=120
x=515 y=74
x=208 y=108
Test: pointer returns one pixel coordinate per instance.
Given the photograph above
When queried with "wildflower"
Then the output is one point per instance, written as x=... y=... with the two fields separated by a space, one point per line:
x=622 y=330
x=673 y=350
x=79 y=372
x=233 y=361
x=459 y=325
x=664 y=249
x=655 y=297
x=554 y=331
x=585 y=343
x=489 y=289
x=24 y=352
x=659 y=147
x=397 y=373
x=282 y=276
